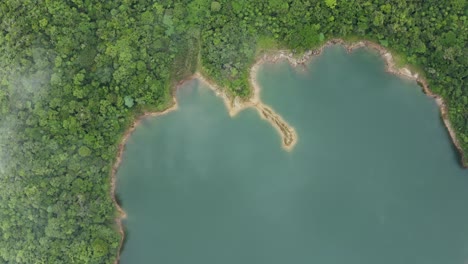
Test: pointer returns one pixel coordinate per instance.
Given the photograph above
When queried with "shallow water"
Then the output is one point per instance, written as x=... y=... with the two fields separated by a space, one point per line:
x=373 y=178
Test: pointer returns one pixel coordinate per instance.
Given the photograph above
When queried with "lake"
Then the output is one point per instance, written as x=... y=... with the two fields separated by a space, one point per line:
x=373 y=178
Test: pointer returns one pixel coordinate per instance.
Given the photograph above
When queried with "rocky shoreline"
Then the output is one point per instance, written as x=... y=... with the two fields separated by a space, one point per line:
x=121 y=213
x=405 y=72
x=288 y=134
x=233 y=106
x=391 y=67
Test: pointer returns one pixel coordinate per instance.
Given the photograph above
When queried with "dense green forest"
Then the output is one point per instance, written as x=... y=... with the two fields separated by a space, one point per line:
x=75 y=73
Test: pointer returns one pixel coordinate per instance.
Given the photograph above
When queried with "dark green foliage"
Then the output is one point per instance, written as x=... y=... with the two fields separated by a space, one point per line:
x=429 y=35
x=73 y=74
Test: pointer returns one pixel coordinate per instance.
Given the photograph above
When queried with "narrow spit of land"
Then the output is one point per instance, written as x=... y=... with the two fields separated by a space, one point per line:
x=287 y=132
x=235 y=105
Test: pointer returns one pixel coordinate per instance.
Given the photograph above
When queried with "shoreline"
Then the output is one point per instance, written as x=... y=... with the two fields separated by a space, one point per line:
x=405 y=72
x=287 y=132
x=233 y=106
x=121 y=213
x=236 y=105
x=390 y=67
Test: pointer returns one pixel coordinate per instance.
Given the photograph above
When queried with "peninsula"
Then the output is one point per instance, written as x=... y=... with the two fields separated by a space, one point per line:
x=75 y=75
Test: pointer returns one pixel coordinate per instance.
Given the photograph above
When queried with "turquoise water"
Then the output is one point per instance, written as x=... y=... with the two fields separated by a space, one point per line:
x=373 y=178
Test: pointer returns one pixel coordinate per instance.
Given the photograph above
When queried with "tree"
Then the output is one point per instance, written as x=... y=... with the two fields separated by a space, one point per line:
x=331 y=3
x=84 y=151
x=215 y=6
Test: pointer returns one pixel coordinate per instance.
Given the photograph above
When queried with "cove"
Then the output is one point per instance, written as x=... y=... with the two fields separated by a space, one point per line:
x=373 y=178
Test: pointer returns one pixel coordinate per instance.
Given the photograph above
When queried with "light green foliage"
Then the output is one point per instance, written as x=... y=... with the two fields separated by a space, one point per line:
x=378 y=19
x=321 y=37
x=279 y=5
x=331 y=3
x=169 y=23
x=128 y=101
x=84 y=151
x=43 y=22
x=215 y=6
x=383 y=42
x=73 y=75
x=266 y=43
x=100 y=248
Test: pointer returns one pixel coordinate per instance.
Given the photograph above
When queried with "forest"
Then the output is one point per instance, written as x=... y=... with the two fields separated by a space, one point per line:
x=75 y=73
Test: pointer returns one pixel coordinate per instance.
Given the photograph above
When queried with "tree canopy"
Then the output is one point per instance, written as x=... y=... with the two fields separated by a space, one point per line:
x=75 y=73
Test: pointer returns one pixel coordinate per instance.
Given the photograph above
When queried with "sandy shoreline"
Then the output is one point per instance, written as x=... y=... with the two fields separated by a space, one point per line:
x=288 y=134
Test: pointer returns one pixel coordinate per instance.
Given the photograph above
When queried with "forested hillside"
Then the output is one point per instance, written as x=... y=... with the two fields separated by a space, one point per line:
x=75 y=73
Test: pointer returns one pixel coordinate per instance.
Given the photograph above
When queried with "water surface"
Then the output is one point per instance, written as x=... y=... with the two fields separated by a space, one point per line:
x=373 y=178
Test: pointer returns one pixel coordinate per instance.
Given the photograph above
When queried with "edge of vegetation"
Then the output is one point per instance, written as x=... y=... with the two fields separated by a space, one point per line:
x=75 y=74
